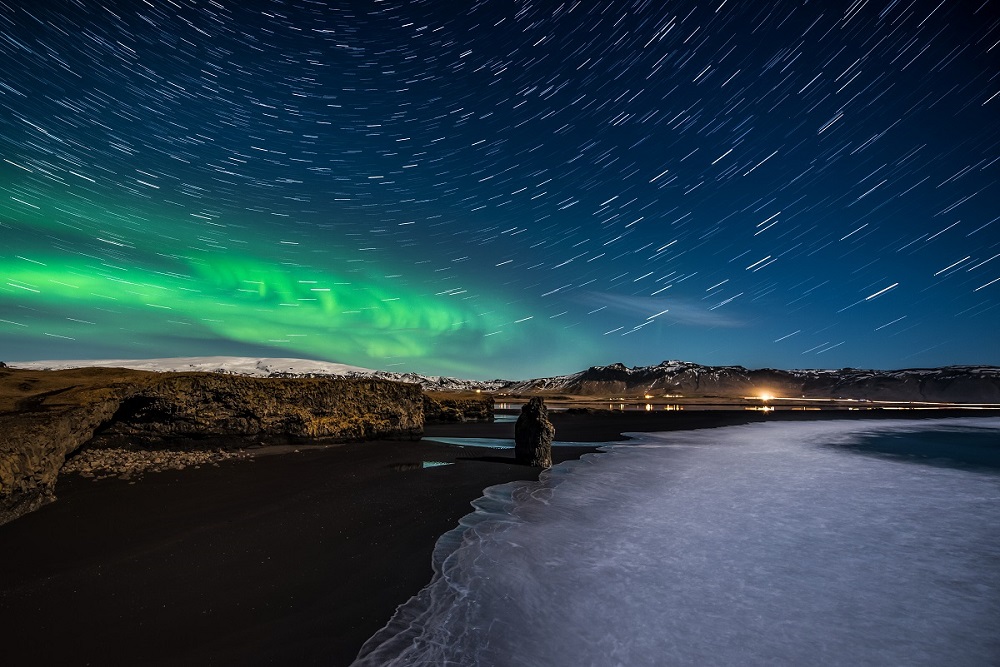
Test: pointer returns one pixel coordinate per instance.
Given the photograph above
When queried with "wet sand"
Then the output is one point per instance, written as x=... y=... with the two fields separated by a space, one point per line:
x=294 y=558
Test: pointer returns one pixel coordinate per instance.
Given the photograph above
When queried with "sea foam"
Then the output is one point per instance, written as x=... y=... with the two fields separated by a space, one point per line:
x=760 y=544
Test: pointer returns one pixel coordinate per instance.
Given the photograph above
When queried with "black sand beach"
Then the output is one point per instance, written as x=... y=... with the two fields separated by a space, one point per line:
x=294 y=558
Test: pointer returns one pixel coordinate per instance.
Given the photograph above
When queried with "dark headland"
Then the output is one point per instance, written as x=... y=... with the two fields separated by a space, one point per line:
x=291 y=558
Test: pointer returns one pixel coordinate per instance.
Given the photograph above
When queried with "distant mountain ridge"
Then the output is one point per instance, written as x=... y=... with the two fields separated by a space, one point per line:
x=268 y=367
x=951 y=384
x=958 y=384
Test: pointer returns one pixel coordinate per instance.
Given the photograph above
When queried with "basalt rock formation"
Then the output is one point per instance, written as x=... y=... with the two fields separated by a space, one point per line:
x=533 y=435
x=272 y=411
x=47 y=415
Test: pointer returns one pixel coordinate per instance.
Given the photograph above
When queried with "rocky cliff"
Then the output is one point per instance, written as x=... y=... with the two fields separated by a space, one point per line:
x=46 y=416
x=199 y=405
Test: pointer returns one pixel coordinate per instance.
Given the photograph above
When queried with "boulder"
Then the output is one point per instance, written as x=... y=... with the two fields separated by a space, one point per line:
x=533 y=435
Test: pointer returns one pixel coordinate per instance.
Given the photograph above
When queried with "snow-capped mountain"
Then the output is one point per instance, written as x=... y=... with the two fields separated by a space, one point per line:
x=267 y=367
x=958 y=384
x=964 y=384
x=234 y=365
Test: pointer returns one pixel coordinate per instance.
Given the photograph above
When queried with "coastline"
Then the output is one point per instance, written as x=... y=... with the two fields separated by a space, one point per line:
x=293 y=558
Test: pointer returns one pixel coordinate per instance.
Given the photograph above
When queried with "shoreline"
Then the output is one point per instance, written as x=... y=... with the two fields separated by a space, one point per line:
x=293 y=558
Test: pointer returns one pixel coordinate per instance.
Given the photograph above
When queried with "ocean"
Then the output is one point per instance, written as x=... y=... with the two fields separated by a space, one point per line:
x=819 y=543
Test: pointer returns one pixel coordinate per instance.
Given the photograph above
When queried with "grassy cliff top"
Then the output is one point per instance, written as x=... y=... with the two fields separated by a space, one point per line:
x=23 y=390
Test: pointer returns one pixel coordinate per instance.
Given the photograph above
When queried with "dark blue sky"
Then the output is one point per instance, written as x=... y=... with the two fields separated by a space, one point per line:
x=502 y=188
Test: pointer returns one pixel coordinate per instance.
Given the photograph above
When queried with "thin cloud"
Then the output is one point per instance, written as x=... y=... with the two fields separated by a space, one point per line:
x=669 y=309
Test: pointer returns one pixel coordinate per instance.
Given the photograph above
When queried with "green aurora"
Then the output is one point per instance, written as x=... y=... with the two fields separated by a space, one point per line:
x=101 y=285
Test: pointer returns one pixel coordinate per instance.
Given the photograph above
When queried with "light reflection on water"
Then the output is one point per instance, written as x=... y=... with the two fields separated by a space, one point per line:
x=495 y=443
x=620 y=406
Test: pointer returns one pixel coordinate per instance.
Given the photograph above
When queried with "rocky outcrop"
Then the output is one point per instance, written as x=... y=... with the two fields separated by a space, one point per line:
x=533 y=435
x=33 y=448
x=461 y=407
x=46 y=416
x=195 y=406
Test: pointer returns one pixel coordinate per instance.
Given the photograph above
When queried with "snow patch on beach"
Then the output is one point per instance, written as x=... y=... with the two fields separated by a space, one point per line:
x=760 y=544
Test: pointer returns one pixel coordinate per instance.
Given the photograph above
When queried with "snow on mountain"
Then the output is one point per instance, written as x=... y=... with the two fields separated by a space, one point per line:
x=949 y=383
x=673 y=369
x=234 y=365
x=268 y=367
x=442 y=382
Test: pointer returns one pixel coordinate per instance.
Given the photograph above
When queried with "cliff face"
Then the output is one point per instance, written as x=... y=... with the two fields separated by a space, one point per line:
x=199 y=405
x=32 y=449
x=46 y=416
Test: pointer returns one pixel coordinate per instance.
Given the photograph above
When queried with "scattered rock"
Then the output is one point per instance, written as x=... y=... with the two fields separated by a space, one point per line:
x=533 y=435
x=103 y=462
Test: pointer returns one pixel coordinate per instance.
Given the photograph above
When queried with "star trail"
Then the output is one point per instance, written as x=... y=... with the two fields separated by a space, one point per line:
x=502 y=188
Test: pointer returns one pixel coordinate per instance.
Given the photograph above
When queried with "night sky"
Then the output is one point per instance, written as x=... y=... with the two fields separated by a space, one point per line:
x=502 y=189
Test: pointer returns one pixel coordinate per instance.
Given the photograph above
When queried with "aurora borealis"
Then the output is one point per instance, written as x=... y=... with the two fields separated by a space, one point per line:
x=502 y=189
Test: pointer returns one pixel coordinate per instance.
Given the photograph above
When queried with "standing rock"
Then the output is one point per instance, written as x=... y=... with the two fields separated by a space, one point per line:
x=533 y=434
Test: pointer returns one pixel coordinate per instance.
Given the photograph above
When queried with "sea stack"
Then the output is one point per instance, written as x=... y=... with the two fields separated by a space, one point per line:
x=533 y=434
